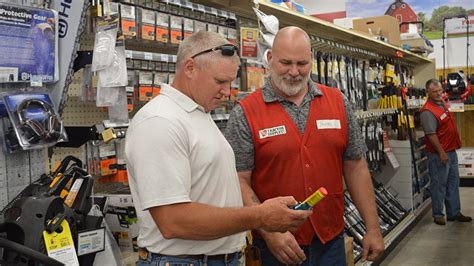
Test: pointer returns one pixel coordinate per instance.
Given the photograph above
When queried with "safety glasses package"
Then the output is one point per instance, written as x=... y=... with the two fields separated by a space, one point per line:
x=35 y=122
x=104 y=44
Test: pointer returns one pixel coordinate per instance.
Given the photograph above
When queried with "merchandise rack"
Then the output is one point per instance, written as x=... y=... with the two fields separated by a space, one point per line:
x=314 y=26
x=360 y=45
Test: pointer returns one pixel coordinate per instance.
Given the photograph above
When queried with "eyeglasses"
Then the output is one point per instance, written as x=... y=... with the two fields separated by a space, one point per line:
x=226 y=50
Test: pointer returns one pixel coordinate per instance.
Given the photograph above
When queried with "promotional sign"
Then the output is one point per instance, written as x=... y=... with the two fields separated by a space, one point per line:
x=28 y=44
x=459 y=25
x=248 y=42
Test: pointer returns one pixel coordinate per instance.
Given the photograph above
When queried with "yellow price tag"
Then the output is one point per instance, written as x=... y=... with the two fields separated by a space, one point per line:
x=60 y=246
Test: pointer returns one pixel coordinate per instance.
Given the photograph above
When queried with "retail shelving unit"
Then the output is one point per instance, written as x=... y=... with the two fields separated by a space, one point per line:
x=411 y=196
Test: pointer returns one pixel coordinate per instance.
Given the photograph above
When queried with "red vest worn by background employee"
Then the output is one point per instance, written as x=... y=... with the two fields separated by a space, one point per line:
x=290 y=164
x=447 y=131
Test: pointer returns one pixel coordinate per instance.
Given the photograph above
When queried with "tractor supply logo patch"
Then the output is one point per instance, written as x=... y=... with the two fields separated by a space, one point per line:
x=271 y=132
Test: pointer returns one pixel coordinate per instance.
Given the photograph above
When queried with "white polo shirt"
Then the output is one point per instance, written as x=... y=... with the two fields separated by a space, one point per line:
x=175 y=153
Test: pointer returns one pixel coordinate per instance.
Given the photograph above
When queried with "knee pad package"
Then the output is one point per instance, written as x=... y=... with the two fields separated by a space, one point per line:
x=35 y=123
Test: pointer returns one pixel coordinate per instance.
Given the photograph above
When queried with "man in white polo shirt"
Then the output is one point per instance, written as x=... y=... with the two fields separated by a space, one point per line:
x=182 y=170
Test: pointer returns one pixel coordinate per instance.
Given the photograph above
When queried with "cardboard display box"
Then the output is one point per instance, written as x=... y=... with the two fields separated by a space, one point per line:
x=386 y=26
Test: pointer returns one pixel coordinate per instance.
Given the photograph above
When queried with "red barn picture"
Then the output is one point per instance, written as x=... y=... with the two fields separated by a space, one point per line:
x=403 y=12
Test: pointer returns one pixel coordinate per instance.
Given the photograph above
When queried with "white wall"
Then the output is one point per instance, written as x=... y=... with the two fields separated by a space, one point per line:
x=455 y=52
x=314 y=7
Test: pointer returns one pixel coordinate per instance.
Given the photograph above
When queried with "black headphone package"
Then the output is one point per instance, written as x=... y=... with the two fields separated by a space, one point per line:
x=35 y=122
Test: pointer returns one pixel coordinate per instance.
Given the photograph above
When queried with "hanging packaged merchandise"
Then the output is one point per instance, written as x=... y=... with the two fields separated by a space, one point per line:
x=106 y=96
x=118 y=113
x=147 y=27
x=160 y=79
x=188 y=27
x=35 y=122
x=232 y=36
x=212 y=27
x=162 y=27
x=199 y=26
x=128 y=21
x=314 y=68
x=115 y=75
x=145 y=86
x=29 y=45
x=130 y=89
x=88 y=92
x=342 y=74
x=176 y=24
x=270 y=22
x=323 y=69
x=104 y=44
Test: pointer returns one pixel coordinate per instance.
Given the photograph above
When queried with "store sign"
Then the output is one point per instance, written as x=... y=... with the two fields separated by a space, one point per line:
x=459 y=25
x=71 y=14
x=248 y=42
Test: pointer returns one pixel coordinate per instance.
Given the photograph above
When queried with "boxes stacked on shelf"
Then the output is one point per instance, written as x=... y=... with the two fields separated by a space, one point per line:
x=380 y=27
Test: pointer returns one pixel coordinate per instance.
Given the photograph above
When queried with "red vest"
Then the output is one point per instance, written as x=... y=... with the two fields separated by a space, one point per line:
x=290 y=164
x=447 y=131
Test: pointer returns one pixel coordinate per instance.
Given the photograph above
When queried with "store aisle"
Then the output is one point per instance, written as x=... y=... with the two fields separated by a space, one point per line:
x=431 y=244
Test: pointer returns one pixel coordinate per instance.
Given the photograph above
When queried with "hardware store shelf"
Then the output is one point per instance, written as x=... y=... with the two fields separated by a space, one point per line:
x=314 y=26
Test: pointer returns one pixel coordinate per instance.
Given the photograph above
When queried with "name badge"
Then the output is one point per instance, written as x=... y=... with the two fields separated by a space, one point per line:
x=328 y=124
x=443 y=116
x=271 y=132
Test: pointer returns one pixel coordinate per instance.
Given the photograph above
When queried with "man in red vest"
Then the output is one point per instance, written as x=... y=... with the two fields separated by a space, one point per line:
x=293 y=137
x=442 y=140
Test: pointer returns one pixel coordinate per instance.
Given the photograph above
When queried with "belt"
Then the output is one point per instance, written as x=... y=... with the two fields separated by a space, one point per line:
x=143 y=253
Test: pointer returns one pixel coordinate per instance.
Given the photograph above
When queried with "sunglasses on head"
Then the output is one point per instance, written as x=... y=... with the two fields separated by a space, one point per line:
x=226 y=50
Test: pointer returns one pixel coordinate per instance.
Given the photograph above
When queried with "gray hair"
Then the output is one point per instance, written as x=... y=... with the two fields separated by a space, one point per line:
x=198 y=42
x=431 y=82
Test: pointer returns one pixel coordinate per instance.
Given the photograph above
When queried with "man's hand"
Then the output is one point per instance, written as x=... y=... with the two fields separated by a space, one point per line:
x=443 y=156
x=276 y=216
x=284 y=247
x=373 y=246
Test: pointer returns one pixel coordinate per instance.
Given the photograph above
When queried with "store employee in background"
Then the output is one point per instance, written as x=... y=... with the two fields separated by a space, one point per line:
x=182 y=170
x=292 y=137
x=442 y=141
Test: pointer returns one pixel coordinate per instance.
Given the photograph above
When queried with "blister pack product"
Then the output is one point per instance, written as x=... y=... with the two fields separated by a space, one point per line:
x=162 y=27
x=128 y=21
x=176 y=24
x=145 y=86
x=200 y=26
x=188 y=27
x=104 y=44
x=118 y=113
x=106 y=96
x=147 y=25
x=115 y=75
x=35 y=122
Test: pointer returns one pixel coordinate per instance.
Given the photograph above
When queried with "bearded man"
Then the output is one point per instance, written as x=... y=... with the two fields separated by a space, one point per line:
x=293 y=137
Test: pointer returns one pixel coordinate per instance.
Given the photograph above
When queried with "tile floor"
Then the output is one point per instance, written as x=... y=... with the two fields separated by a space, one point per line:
x=430 y=244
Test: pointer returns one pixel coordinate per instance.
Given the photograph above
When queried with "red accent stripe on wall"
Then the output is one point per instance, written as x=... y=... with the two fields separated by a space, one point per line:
x=331 y=16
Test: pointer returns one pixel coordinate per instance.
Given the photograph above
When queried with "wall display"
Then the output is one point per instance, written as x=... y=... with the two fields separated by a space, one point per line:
x=29 y=44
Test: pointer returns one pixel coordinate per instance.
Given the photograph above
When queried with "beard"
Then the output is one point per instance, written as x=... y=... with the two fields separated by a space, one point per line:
x=289 y=85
